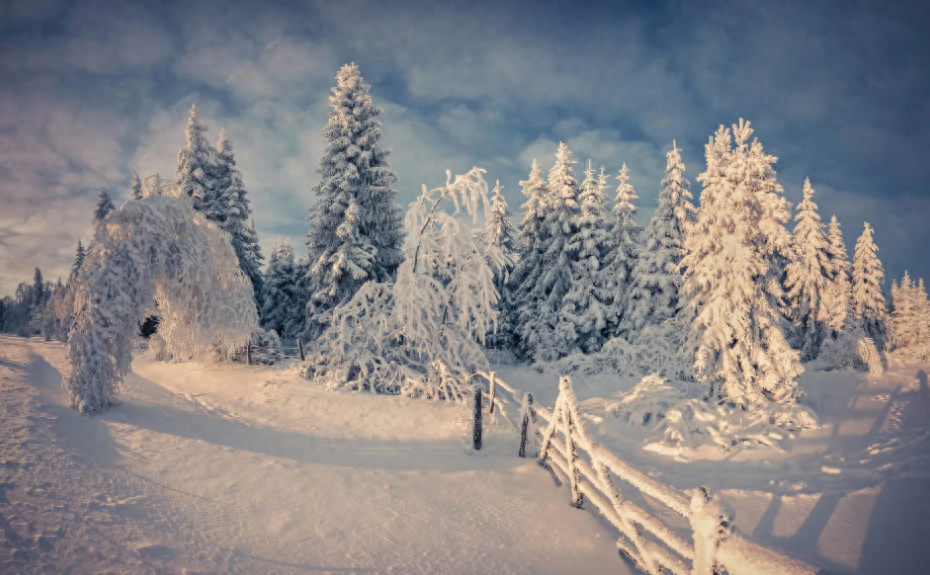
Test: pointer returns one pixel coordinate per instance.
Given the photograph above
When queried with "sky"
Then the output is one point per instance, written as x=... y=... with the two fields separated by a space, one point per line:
x=90 y=90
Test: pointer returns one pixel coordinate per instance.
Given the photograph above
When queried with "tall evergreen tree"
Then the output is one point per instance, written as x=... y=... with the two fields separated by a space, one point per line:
x=867 y=288
x=229 y=208
x=499 y=232
x=104 y=206
x=809 y=276
x=39 y=291
x=731 y=282
x=586 y=303
x=282 y=305
x=195 y=163
x=621 y=260
x=356 y=229
x=78 y=262
x=547 y=335
x=837 y=300
x=530 y=256
x=656 y=278
x=909 y=324
x=135 y=187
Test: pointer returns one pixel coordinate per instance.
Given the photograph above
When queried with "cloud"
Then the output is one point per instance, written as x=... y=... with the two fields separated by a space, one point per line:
x=94 y=89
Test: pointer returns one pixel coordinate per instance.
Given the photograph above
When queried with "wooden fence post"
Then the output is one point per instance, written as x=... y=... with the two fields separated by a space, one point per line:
x=493 y=391
x=710 y=525
x=300 y=348
x=529 y=414
x=476 y=426
x=248 y=354
x=571 y=444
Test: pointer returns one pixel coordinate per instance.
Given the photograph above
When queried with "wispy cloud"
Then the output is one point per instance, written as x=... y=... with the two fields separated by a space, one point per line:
x=94 y=89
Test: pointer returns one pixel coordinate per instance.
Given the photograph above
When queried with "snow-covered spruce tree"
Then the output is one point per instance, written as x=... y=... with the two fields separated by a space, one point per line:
x=909 y=324
x=78 y=262
x=499 y=232
x=837 y=299
x=283 y=299
x=546 y=334
x=867 y=288
x=194 y=174
x=229 y=209
x=135 y=187
x=809 y=277
x=104 y=206
x=585 y=305
x=656 y=278
x=420 y=336
x=731 y=282
x=356 y=231
x=157 y=249
x=530 y=256
x=622 y=257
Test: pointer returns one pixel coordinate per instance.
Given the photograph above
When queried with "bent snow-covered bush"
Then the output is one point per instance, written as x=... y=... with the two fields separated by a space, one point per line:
x=678 y=417
x=420 y=336
x=154 y=250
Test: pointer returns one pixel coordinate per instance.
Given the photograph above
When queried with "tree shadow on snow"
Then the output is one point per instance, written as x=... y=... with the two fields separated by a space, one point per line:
x=190 y=422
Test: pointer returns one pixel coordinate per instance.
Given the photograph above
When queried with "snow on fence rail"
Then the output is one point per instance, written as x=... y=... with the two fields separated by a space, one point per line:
x=595 y=474
x=273 y=355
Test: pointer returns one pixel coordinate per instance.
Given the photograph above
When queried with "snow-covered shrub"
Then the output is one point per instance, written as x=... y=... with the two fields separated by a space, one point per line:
x=657 y=349
x=157 y=349
x=852 y=349
x=420 y=336
x=154 y=249
x=678 y=418
x=647 y=402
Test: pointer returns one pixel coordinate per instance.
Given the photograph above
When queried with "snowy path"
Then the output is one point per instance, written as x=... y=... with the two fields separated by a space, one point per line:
x=249 y=470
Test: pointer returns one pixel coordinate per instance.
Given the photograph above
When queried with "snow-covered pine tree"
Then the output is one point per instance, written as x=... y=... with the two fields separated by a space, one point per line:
x=530 y=256
x=837 y=299
x=904 y=329
x=586 y=303
x=78 y=262
x=731 y=282
x=657 y=277
x=499 y=232
x=621 y=260
x=867 y=288
x=229 y=209
x=546 y=335
x=809 y=276
x=104 y=206
x=356 y=229
x=282 y=306
x=135 y=187
x=421 y=335
x=195 y=163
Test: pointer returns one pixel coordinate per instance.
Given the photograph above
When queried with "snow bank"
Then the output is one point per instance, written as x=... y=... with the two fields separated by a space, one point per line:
x=677 y=418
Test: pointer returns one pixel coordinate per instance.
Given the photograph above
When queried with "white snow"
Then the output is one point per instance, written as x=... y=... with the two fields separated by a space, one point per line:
x=235 y=469
x=850 y=496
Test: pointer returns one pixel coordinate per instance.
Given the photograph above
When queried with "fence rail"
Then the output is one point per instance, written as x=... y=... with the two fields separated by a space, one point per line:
x=594 y=474
x=255 y=353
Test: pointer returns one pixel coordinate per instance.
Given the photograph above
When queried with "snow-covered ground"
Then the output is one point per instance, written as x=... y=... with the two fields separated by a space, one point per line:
x=232 y=469
x=853 y=496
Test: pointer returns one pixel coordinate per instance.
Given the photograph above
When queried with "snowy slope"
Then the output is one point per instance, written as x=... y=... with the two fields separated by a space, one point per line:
x=233 y=469
x=853 y=496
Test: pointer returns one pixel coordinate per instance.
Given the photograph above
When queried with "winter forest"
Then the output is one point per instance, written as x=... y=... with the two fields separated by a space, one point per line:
x=700 y=329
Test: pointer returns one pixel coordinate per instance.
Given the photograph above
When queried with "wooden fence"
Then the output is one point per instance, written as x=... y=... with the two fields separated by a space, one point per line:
x=267 y=356
x=700 y=542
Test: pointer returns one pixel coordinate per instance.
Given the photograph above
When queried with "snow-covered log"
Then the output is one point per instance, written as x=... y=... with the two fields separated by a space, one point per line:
x=154 y=250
